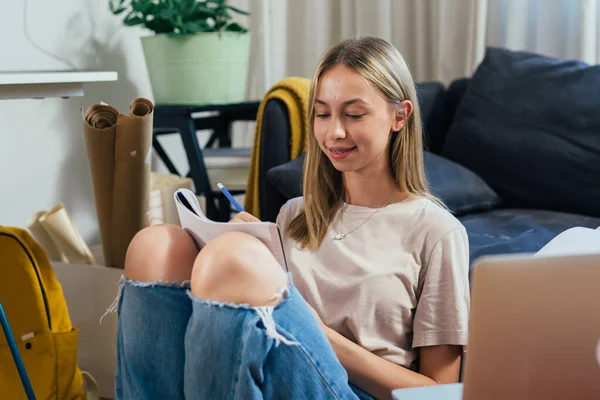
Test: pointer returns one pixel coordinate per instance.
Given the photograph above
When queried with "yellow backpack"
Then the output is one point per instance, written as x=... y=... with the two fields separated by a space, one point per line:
x=39 y=319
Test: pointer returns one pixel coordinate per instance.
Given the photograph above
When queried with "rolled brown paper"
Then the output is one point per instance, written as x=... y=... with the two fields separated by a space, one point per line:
x=131 y=185
x=99 y=129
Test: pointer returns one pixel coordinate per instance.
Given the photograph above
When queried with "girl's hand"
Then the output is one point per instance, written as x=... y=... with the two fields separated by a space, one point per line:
x=244 y=217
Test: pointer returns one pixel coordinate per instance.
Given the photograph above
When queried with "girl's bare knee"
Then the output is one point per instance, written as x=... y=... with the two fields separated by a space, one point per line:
x=237 y=268
x=160 y=253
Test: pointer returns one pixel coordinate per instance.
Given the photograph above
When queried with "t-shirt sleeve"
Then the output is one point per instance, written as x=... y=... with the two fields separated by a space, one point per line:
x=282 y=217
x=442 y=313
x=288 y=212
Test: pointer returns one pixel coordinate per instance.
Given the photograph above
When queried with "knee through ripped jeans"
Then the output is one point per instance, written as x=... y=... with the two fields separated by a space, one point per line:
x=173 y=345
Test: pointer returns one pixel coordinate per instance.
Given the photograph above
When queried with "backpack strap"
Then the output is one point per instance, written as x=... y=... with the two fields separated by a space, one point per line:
x=90 y=386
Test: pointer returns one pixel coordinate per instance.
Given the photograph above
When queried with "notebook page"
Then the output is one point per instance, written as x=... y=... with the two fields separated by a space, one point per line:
x=204 y=230
x=192 y=200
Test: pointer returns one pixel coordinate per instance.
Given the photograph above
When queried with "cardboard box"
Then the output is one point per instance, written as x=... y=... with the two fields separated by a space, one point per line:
x=89 y=291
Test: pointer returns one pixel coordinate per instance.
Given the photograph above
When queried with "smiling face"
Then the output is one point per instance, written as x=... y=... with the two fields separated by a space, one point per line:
x=353 y=121
x=361 y=91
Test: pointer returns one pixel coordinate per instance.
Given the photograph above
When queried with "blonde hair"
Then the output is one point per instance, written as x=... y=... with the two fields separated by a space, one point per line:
x=381 y=64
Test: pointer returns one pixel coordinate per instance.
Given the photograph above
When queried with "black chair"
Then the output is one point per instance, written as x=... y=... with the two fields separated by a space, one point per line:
x=186 y=120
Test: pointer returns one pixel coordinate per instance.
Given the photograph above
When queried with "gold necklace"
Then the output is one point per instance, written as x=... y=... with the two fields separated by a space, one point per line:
x=342 y=235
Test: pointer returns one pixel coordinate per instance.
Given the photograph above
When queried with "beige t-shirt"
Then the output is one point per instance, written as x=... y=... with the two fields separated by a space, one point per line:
x=398 y=282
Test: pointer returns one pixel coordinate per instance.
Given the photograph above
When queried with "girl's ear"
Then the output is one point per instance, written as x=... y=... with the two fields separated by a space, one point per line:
x=402 y=113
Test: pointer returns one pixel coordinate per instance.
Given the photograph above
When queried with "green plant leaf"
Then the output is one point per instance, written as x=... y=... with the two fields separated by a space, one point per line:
x=177 y=17
x=167 y=13
x=116 y=6
x=235 y=27
x=237 y=10
x=118 y=11
x=217 y=3
x=196 y=26
x=142 y=6
x=133 y=20
x=225 y=14
x=159 y=26
x=205 y=12
x=186 y=7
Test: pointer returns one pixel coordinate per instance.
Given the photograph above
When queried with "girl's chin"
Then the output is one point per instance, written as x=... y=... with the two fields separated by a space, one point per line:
x=343 y=166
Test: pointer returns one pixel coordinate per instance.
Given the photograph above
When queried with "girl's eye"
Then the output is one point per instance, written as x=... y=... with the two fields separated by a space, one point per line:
x=322 y=116
x=355 y=116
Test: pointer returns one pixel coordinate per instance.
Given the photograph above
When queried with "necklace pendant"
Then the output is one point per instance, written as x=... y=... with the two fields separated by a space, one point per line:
x=339 y=236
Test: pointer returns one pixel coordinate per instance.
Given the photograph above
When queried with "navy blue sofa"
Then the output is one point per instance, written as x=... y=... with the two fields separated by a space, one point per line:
x=513 y=151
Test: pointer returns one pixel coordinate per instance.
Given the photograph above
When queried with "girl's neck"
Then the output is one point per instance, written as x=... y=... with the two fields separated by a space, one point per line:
x=372 y=193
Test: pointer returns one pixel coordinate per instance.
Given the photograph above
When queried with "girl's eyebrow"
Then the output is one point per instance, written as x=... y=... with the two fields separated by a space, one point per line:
x=346 y=103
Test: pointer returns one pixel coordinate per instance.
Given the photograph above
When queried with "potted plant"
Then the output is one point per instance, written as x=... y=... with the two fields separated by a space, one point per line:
x=197 y=55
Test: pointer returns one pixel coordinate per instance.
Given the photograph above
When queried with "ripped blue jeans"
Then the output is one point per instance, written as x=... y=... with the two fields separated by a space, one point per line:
x=172 y=345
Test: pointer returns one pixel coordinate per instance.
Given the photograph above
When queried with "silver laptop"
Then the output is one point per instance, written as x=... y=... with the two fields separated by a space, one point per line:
x=534 y=331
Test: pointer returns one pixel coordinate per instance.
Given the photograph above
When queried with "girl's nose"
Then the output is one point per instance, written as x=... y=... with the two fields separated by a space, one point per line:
x=336 y=130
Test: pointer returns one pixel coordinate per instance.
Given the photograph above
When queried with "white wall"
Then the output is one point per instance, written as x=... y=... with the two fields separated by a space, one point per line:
x=42 y=150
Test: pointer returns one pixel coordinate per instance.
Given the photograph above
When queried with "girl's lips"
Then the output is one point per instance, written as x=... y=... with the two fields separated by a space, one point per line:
x=340 y=153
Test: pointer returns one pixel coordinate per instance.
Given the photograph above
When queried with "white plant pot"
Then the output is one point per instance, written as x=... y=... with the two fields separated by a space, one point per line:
x=199 y=69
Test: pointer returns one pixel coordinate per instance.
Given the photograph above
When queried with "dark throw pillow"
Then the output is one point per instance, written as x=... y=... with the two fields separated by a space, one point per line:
x=461 y=190
x=529 y=125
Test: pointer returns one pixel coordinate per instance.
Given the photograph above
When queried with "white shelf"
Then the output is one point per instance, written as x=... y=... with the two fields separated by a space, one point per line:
x=25 y=78
x=23 y=85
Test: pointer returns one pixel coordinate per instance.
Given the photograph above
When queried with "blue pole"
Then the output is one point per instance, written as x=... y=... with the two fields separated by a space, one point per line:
x=16 y=355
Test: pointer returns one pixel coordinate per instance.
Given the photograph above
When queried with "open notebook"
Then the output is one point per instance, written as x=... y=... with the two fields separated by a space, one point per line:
x=203 y=230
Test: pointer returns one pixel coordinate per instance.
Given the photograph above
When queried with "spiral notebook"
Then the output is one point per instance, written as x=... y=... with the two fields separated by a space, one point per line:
x=203 y=230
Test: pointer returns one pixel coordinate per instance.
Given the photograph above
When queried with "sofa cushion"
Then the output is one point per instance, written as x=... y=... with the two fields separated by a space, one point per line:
x=287 y=178
x=460 y=189
x=507 y=231
x=529 y=126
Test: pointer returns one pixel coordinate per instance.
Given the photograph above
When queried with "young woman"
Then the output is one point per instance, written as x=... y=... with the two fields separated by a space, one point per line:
x=377 y=296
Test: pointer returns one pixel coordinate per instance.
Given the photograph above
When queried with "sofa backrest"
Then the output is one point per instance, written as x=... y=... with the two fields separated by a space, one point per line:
x=438 y=107
x=452 y=99
x=274 y=151
x=432 y=98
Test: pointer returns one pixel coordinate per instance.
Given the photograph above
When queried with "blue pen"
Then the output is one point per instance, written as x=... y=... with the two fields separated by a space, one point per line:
x=16 y=355
x=230 y=197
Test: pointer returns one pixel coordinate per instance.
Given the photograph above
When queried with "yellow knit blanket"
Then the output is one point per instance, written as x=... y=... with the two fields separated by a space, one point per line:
x=293 y=91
